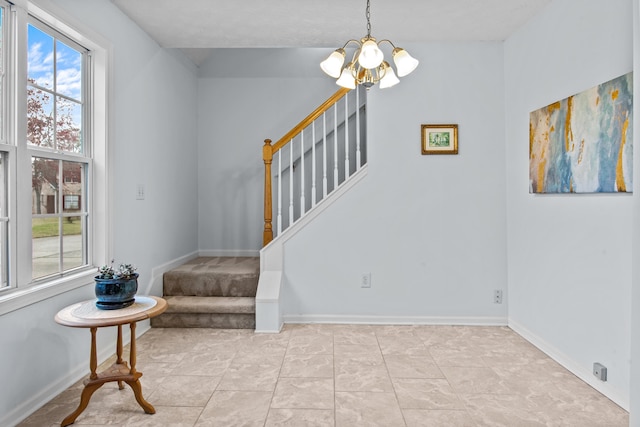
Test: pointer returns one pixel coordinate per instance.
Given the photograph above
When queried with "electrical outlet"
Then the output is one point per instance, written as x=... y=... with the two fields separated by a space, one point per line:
x=140 y=192
x=497 y=296
x=600 y=371
x=365 y=280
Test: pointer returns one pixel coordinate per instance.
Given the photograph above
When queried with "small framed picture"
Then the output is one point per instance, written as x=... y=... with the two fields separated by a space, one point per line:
x=439 y=139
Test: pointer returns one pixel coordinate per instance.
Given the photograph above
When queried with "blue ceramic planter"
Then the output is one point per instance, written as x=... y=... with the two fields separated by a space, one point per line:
x=113 y=294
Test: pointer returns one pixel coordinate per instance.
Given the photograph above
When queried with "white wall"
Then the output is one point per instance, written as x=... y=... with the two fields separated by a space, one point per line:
x=244 y=97
x=430 y=229
x=153 y=142
x=569 y=256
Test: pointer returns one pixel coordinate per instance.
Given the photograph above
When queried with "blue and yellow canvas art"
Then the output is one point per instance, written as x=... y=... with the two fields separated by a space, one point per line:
x=584 y=143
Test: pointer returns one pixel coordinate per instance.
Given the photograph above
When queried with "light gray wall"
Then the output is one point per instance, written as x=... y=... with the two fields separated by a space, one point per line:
x=430 y=229
x=244 y=97
x=155 y=144
x=634 y=418
x=153 y=114
x=569 y=256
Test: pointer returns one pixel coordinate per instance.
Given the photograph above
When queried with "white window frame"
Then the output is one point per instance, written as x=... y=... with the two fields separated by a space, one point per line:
x=6 y=138
x=23 y=291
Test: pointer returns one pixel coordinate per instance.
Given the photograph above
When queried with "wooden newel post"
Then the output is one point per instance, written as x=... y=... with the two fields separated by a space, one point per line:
x=267 y=156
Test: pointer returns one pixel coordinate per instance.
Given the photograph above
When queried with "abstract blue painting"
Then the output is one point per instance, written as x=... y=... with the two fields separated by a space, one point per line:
x=584 y=143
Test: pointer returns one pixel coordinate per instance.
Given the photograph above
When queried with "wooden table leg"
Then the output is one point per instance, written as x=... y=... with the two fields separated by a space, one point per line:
x=93 y=360
x=137 y=391
x=119 y=345
x=89 y=388
x=132 y=349
x=119 y=353
x=135 y=385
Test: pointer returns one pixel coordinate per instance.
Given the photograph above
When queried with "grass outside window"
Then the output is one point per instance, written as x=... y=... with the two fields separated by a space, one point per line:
x=48 y=227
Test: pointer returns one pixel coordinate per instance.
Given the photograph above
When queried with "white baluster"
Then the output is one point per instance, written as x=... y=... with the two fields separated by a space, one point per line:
x=347 y=173
x=335 y=145
x=291 y=182
x=279 y=217
x=302 y=211
x=313 y=163
x=358 y=155
x=324 y=155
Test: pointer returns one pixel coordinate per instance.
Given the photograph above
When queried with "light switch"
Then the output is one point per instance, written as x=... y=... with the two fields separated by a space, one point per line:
x=140 y=192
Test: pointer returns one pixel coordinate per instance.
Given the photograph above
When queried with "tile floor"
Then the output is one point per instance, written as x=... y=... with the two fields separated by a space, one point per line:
x=343 y=375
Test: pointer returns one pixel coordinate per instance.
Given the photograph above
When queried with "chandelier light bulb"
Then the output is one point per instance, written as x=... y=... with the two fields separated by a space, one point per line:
x=405 y=63
x=389 y=78
x=370 y=54
x=346 y=79
x=333 y=64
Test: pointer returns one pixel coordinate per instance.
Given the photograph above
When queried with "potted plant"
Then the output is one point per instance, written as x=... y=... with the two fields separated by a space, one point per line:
x=116 y=287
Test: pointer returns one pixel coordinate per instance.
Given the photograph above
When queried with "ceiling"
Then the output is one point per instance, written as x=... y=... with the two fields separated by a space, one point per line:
x=200 y=25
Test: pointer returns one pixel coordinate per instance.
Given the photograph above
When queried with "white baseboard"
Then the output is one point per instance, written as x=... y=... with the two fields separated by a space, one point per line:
x=394 y=320
x=570 y=364
x=229 y=252
x=28 y=407
x=269 y=331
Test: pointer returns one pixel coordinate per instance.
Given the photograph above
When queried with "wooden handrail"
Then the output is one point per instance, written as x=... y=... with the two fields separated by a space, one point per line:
x=310 y=118
x=269 y=150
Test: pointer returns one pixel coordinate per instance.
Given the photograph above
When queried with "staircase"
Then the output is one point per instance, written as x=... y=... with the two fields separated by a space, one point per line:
x=323 y=155
x=211 y=292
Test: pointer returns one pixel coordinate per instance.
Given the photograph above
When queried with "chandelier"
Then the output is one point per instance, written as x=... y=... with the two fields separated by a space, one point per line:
x=367 y=66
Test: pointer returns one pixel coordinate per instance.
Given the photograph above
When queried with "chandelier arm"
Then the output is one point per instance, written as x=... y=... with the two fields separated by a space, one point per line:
x=358 y=74
x=388 y=41
x=355 y=73
x=355 y=55
x=350 y=41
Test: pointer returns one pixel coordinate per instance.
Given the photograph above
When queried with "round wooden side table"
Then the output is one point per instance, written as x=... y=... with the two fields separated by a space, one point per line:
x=86 y=315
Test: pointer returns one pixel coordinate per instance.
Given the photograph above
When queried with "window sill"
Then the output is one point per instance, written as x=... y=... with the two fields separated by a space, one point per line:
x=19 y=298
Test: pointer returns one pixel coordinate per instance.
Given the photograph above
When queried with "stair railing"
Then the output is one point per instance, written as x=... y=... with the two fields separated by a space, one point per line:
x=336 y=131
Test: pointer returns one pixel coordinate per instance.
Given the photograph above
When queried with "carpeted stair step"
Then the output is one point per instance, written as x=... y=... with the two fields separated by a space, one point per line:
x=214 y=276
x=207 y=312
x=226 y=305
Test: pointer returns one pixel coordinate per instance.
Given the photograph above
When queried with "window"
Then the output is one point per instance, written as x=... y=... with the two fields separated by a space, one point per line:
x=53 y=152
x=55 y=111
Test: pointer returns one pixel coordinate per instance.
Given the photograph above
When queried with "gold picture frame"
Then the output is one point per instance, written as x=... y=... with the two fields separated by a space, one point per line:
x=439 y=139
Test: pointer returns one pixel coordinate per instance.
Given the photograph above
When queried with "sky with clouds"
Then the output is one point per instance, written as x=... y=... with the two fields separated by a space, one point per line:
x=57 y=68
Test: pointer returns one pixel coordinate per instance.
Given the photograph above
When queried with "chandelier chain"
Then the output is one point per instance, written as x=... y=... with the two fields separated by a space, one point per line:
x=368 y=19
